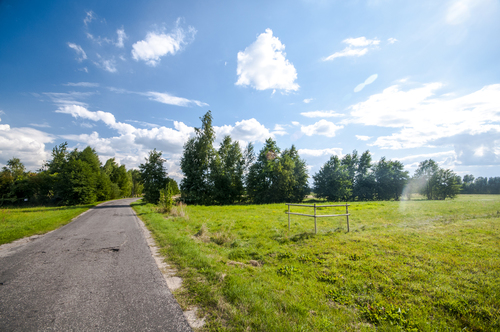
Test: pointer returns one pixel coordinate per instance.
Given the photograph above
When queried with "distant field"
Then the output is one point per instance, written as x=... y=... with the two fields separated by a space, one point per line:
x=417 y=265
x=16 y=223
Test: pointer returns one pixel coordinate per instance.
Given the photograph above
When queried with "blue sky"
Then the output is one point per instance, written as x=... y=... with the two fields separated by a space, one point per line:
x=405 y=80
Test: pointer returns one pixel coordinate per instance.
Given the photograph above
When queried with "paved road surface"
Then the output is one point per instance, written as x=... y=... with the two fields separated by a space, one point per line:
x=94 y=274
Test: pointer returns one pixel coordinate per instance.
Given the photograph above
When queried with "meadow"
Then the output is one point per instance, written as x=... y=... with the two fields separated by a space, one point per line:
x=404 y=266
x=19 y=222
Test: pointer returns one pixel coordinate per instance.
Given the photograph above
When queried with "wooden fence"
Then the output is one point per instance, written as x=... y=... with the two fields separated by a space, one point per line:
x=318 y=216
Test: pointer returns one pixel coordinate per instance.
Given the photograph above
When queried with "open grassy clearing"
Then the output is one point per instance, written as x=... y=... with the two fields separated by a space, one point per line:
x=16 y=223
x=411 y=265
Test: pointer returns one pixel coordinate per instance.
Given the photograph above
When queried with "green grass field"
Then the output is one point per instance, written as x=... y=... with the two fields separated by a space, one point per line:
x=16 y=223
x=410 y=265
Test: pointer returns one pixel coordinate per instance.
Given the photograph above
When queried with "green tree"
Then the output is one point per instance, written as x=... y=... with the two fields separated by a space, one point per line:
x=137 y=186
x=154 y=176
x=195 y=164
x=436 y=183
x=226 y=173
x=364 y=183
x=333 y=181
x=390 y=178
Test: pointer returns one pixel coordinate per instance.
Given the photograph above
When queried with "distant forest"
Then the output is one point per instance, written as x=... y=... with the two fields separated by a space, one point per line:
x=229 y=175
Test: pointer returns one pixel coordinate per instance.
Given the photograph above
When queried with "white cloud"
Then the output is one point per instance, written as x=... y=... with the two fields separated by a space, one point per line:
x=69 y=98
x=79 y=51
x=391 y=40
x=321 y=152
x=356 y=47
x=159 y=44
x=166 y=98
x=132 y=144
x=361 y=42
x=322 y=127
x=245 y=131
x=424 y=156
x=369 y=80
x=121 y=37
x=27 y=144
x=321 y=114
x=279 y=130
x=40 y=125
x=106 y=64
x=363 y=138
x=425 y=119
x=263 y=65
x=307 y=101
x=89 y=17
x=109 y=119
x=83 y=84
x=296 y=123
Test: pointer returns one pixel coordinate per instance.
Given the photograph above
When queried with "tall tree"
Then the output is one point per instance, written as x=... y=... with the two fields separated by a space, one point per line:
x=154 y=176
x=195 y=163
x=333 y=181
x=436 y=183
x=390 y=178
x=226 y=173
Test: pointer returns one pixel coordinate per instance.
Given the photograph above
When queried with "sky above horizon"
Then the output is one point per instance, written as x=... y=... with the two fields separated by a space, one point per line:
x=408 y=81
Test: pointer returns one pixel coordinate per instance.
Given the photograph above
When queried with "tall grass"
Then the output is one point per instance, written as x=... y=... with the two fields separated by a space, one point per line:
x=413 y=265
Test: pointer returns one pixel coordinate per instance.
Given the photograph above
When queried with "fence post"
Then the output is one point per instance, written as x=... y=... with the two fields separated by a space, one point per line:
x=288 y=217
x=315 y=227
x=347 y=212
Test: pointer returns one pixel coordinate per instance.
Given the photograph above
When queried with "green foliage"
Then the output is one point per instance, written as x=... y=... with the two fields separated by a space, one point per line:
x=195 y=164
x=434 y=182
x=287 y=270
x=332 y=181
x=277 y=176
x=226 y=173
x=355 y=178
x=379 y=314
x=166 y=201
x=154 y=176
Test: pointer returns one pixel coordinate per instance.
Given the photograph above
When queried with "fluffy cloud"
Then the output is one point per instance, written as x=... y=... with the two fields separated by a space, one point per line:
x=362 y=138
x=321 y=152
x=132 y=144
x=369 y=80
x=321 y=114
x=159 y=44
x=263 y=65
x=307 y=101
x=166 y=98
x=27 y=144
x=356 y=47
x=121 y=37
x=245 y=131
x=79 y=51
x=322 y=127
x=471 y=122
x=279 y=130
x=391 y=40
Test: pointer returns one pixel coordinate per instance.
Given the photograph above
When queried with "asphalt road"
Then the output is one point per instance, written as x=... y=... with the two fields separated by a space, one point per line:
x=93 y=274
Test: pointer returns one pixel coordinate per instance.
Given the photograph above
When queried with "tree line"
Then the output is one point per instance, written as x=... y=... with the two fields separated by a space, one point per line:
x=228 y=175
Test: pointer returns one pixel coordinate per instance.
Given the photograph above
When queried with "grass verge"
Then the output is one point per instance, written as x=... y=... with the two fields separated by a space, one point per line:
x=16 y=223
x=405 y=266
